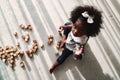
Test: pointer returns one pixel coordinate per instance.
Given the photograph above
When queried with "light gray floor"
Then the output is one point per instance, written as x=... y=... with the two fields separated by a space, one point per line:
x=101 y=61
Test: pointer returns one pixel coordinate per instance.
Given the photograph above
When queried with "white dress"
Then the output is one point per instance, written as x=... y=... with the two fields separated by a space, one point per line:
x=73 y=42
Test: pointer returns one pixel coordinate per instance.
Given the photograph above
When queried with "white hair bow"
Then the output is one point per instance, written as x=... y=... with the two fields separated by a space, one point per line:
x=89 y=18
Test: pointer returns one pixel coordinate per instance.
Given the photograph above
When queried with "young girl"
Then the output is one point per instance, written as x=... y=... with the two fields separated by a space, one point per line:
x=86 y=22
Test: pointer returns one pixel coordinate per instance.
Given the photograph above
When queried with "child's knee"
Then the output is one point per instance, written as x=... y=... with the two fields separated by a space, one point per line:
x=60 y=60
x=67 y=23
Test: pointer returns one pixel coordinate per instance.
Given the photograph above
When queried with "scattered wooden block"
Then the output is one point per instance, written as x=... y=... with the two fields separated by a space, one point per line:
x=20 y=54
x=50 y=39
x=42 y=46
x=34 y=41
x=12 y=57
x=26 y=37
x=18 y=44
x=31 y=50
x=4 y=60
x=8 y=59
x=58 y=44
x=21 y=64
x=15 y=55
x=11 y=61
x=3 y=56
x=15 y=34
x=57 y=53
x=23 y=37
x=6 y=48
x=29 y=54
x=49 y=42
x=26 y=27
x=34 y=50
x=22 y=26
x=34 y=44
x=29 y=27
x=10 y=65
x=14 y=50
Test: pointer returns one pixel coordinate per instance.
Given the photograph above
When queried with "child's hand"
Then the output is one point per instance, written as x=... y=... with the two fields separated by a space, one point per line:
x=79 y=50
x=61 y=28
x=78 y=53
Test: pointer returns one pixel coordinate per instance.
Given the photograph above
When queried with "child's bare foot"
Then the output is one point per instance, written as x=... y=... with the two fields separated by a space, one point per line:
x=53 y=66
x=51 y=70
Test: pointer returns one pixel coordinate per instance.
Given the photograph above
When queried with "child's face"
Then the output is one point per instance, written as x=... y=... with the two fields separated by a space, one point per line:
x=77 y=28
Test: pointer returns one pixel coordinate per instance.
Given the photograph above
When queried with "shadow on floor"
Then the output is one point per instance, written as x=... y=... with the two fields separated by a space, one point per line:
x=88 y=67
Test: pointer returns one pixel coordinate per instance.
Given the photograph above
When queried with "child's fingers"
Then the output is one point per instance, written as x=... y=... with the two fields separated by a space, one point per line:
x=60 y=29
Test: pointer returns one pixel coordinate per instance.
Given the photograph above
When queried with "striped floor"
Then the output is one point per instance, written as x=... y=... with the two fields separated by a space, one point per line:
x=101 y=61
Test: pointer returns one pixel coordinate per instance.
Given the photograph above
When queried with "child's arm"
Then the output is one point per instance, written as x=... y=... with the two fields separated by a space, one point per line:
x=65 y=27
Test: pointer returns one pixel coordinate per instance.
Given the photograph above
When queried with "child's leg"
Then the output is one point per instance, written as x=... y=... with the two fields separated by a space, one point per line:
x=60 y=59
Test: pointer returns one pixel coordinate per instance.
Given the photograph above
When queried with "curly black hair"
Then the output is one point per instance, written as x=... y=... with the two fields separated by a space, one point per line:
x=91 y=29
